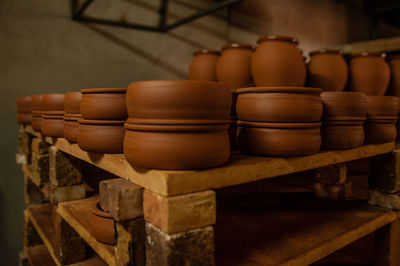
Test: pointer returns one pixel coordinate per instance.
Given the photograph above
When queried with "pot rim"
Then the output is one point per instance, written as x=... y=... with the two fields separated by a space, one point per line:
x=238 y=46
x=343 y=93
x=381 y=117
x=326 y=51
x=180 y=122
x=278 y=38
x=100 y=122
x=174 y=83
x=68 y=115
x=72 y=119
x=282 y=89
x=369 y=54
x=176 y=128
x=383 y=97
x=59 y=112
x=381 y=121
x=37 y=113
x=104 y=90
x=95 y=210
x=51 y=116
x=206 y=51
x=279 y=125
x=343 y=123
x=344 y=118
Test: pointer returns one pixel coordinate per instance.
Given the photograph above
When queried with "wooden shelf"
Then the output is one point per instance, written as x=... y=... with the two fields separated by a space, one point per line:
x=290 y=228
x=379 y=45
x=38 y=256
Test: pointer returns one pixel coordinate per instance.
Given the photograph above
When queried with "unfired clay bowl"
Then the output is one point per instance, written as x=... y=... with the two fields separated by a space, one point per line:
x=53 y=126
x=36 y=103
x=24 y=104
x=72 y=102
x=103 y=104
x=24 y=118
x=382 y=106
x=344 y=105
x=71 y=126
x=342 y=135
x=101 y=224
x=53 y=103
x=380 y=131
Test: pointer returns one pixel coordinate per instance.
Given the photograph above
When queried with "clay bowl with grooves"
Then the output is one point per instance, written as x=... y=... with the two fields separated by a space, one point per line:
x=24 y=104
x=53 y=103
x=342 y=135
x=176 y=147
x=104 y=104
x=24 y=118
x=53 y=126
x=101 y=224
x=101 y=136
x=382 y=106
x=178 y=99
x=344 y=105
x=278 y=139
x=37 y=121
x=279 y=104
x=71 y=127
x=380 y=131
x=36 y=103
x=72 y=102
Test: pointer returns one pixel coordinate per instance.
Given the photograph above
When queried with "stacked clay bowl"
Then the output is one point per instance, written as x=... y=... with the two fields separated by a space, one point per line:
x=24 y=115
x=342 y=120
x=53 y=115
x=37 y=111
x=101 y=128
x=279 y=121
x=72 y=114
x=394 y=63
x=101 y=224
x=203 y=65
x=177 y=124
x=381 y=121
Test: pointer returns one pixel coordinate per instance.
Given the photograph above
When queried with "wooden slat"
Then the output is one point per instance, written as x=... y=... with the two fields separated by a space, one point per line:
x=39 y=256
x=76 y=214
x=379 y=45
x=28 y=173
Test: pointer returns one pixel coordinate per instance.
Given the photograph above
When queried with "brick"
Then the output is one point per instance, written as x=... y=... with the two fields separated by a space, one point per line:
x=65 y=170
x=40 y=168
x=67 y=193
x=31 y=237
x=384 y=172
x=131 y=247
x=39 y=146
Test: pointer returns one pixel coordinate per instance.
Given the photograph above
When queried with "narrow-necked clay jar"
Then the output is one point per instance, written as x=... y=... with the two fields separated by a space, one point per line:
x=369 y=73
x=176 y=147
x=24 y=118
x=382 y=106
x=71 y=126
x=204 y=64
x=101 y=224
x=279 y=104
x=24 y=104
x=342 y=135
x=72 y=102
x=327 y=70
x=278 y=62
x=340 y=105
x=101 y=136
x=380 y=130
x=278 y=139
x=37 y=111
x=53 y=103
x=233 y=66
x=394 y=63
x=178 y=99
x=53 y=126
x=104 y=104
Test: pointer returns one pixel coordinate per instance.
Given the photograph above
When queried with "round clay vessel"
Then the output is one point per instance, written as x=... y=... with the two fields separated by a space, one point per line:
x=204 y=64
x=279 y=104
x=176 y=147
x=278 y=139
x=101 y=224
x=327 y=70
x=24 y=118
x=36 y=103
x=53 y=126
x=53 y=103
x=278 y=62
x=37 y=121
x=369 y=73
x=342 y=135
x=382 y=106
x=102 y=136
x=233 y=66
x=72 y=102
x=380 y=131
x=71 y=126
x=178 y=99
x=394 y=63
x=24 y=104
x=104 y=104
x=340 y=105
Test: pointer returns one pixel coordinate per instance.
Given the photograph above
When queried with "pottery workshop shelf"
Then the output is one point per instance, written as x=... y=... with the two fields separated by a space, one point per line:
x=38 y=256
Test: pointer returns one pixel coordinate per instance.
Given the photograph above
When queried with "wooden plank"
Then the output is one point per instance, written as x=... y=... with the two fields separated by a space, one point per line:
x=379 y=45
x=39 y=256
x=76 y=214
x=28 y=129
x=239 y=170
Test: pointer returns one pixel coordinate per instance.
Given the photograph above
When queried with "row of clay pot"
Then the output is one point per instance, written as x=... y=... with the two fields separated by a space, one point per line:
x=72 y=102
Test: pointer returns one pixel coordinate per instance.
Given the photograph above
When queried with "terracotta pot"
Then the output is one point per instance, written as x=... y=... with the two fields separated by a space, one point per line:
x=37 y=121
x=53 y=103
x=71 y=126
x=24 y=118
x=344 y=105
x=233 y=66
x=394 y=63
x=72 y=102
x=24 y=104
x=380 y=131
x=278 y=139
x=232 y=131
x=279 y=104
x=278 y=62
x=327 y=70
x=382 y=106
x=104 y=104
x=102 y=136
x=36 y=103
x=101 y=224
x=203 y=65
x=176 y=147
x=342 y=135
x=53 y=126
x=178 y=99
x=370 y=73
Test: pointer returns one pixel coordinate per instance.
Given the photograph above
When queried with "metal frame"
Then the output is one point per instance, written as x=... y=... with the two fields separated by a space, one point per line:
x=77 y=14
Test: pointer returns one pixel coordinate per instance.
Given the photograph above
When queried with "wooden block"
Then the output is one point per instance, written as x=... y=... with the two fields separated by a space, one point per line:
x=383 y=199
x=121 y=198
x=40 y=168
x=24 y=143
x=39 y=146
x=131 y=247
x=65 y=170
x=23 y=259
x=335 y=192
x=67 y=193
x=386 y=245
x=194 y=247
x=31 y=237
x=180 y=213
x=384 y=172
x=39 y=256
x=32 y=193
x=21 y=159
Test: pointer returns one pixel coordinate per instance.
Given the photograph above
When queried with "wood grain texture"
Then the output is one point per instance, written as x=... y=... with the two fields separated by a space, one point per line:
x=39 y=256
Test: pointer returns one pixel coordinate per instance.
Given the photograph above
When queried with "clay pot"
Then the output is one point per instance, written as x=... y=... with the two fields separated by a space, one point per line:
x=327 y=70
x=103 y=104
x=36 y=121
x=24 y=118
x=233 y=66
x=370 y=73
x=102 y=136
x=382 y=106
x=24 y=104
x=278 y=62
x=53 y=126
x=101 y=224
x=36 y=103
x=53 y=103
x=176 y=147
x=278 y=139
x=394 y=63
x=344 y=105
x=178 y=99
x=72 y=102
x=71 y=126
x=342 y=135
x=380 y=130
x=203 y=65
x=279 y=104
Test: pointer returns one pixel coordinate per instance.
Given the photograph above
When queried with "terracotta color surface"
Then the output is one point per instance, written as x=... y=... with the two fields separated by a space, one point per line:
x=24 y=118
x=104 y=104
x=342 y=135
x=101 y=225
x=53 y=103
x=71 y=126
x=24 y=104
x=344 y=105
x=36 y=121
x=278 y=62
x=72 y=102
x=394 y=63
x=53 y=126
x=380 y=131
x=36 y=102
x=382 y=106
x=203 y=65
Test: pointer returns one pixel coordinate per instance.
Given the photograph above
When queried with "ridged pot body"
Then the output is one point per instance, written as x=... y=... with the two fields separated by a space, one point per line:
x=24 y=118
x=344 y=105
x=382 y=106
x=342 y=135
x=380 y=131
x=72 y=102
x=37 y=122
x=71 y=126
x=395 y=76
x=203 y=67
x=101 y=225
x=53 y=126
x=103 y=104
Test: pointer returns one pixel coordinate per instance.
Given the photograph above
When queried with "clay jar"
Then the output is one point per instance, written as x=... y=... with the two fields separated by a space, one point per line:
x=380 y=130
x=342 y=135
x=341 y=106
x=24 y=115
x=233 y=66
x=103 y=104
x=71 y=127
x=37 y=111
x=382 y=106
x=278 y=62
x=53 y=103
x=101 y=136
x=369 y=73
x=72 y=102
x=394 y=63
x=278 y=139
x=53 y=126
x=279 y=104
x=327 y=70
x=101 y=224
x=203 y=65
